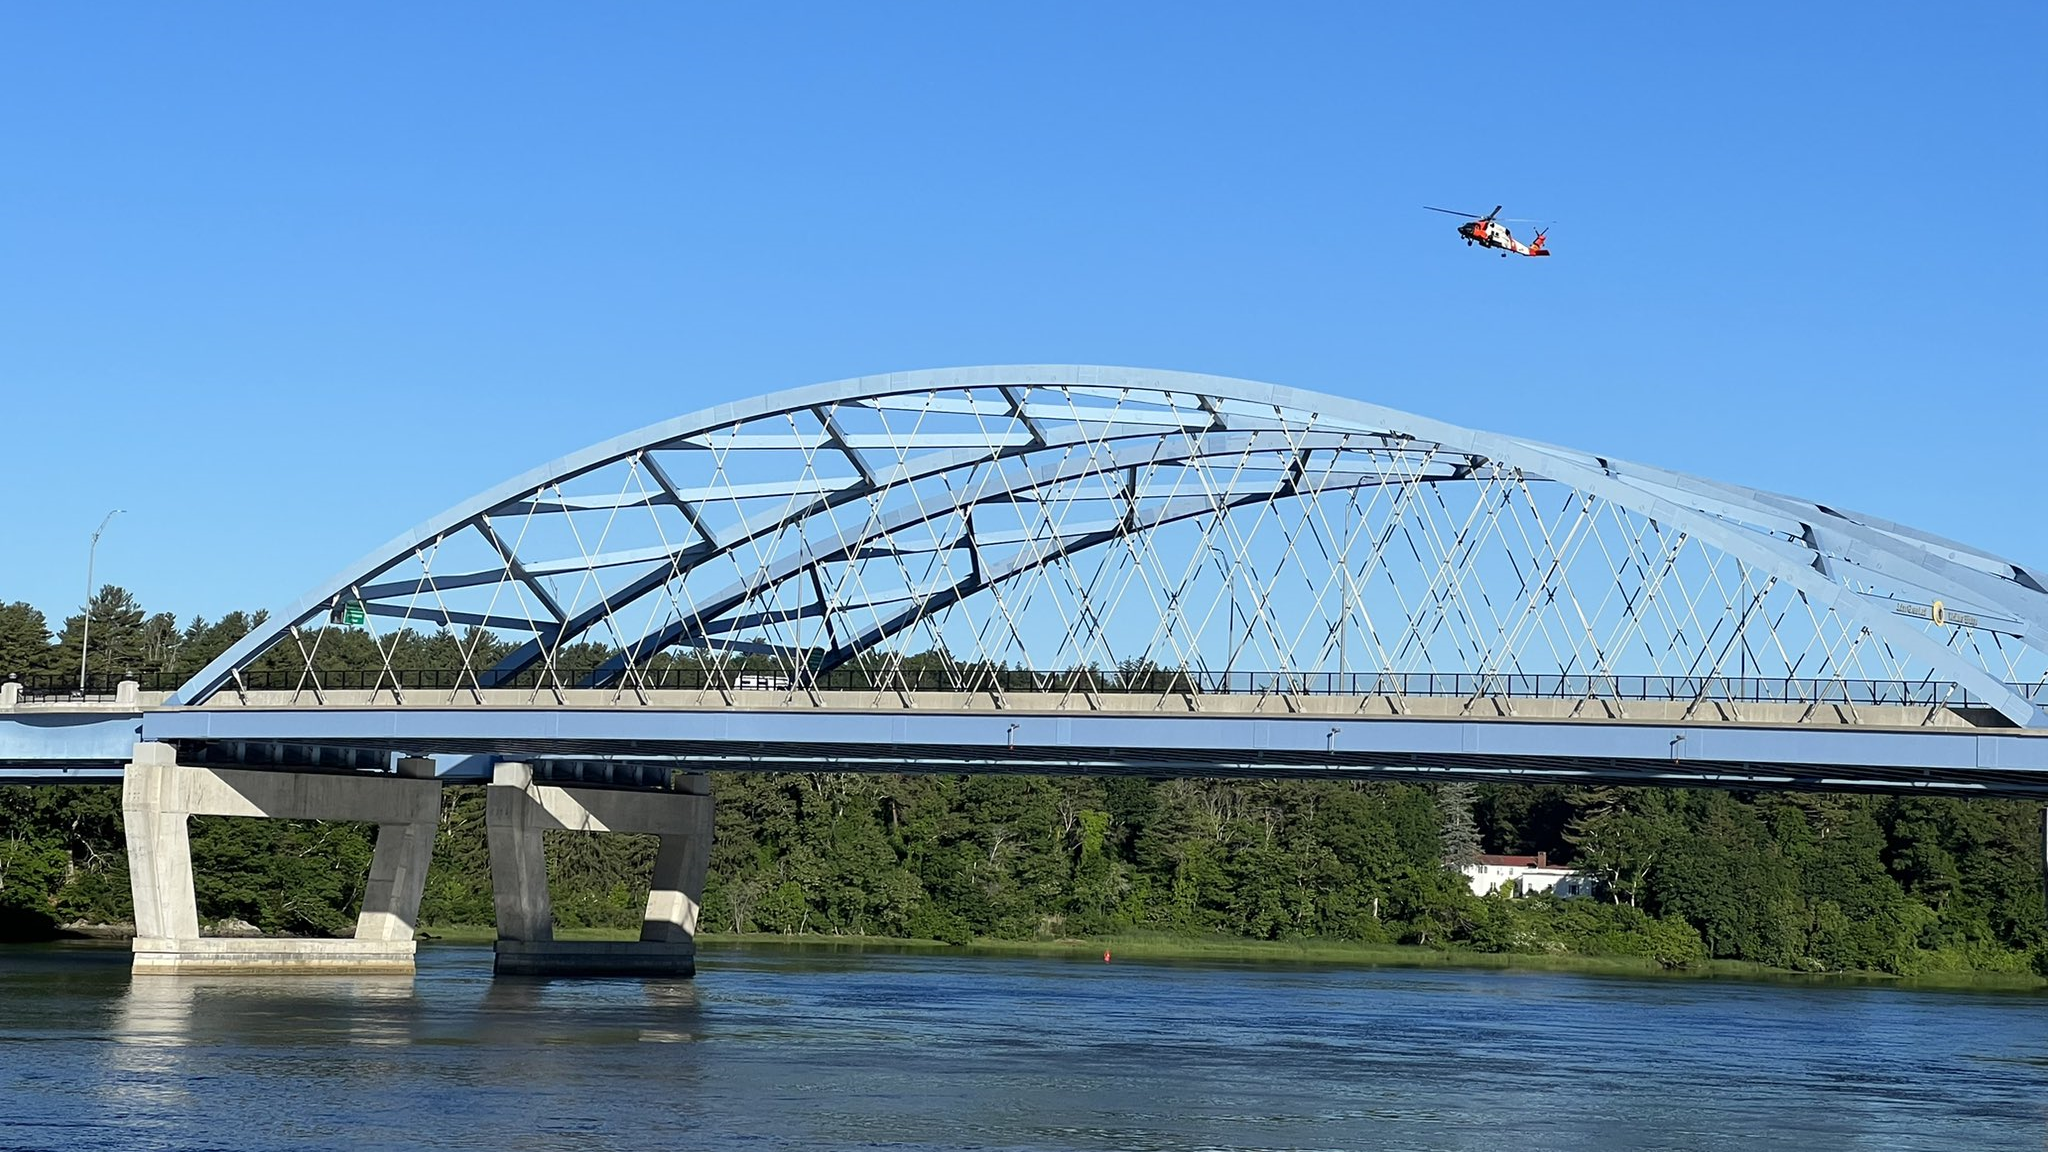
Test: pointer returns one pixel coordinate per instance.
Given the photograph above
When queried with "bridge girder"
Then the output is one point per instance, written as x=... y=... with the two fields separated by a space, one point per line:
x=1240 y=745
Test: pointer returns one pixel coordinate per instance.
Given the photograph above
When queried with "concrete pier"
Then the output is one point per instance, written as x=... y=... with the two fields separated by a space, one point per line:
x=158 y=797
x=517 y=811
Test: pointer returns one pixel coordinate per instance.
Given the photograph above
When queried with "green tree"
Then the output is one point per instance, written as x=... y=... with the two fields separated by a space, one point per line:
x=25 y=647
x=1722 y=873
x=123 y=641
x=1618 y=835
x=202 y=640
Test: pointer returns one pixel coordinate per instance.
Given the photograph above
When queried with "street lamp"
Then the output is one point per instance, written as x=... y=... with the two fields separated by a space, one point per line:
x=85 y=628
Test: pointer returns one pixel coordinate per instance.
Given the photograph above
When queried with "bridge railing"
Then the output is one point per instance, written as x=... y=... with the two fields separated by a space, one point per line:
x=97 y=689
x=970 y=678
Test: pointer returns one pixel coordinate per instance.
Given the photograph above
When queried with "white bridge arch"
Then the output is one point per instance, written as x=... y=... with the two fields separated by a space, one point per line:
x=968 y=526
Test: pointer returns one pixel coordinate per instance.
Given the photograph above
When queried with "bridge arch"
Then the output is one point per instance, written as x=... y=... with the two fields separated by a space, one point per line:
x=1055 y=519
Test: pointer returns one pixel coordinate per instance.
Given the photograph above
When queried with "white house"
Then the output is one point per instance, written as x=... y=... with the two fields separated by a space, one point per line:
x=1523 y=875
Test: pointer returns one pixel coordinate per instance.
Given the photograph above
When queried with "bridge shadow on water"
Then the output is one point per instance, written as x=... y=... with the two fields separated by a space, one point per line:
x=456 y=1001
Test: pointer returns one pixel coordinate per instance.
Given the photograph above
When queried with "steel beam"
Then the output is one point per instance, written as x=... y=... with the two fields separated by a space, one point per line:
x=1723 y=755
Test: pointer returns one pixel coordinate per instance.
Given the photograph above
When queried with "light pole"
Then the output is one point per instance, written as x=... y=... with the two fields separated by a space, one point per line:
x=85 y=627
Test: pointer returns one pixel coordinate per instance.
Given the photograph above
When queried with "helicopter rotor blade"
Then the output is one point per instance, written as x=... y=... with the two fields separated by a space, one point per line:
x=1449 y=212
x=1495 y=212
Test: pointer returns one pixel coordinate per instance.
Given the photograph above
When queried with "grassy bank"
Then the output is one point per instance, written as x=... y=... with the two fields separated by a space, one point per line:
x=1228 y=950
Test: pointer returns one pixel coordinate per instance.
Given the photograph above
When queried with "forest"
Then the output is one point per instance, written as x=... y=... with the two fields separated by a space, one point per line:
x=1804 y=882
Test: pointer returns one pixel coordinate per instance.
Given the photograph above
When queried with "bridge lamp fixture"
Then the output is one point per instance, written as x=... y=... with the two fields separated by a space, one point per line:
x=85 y=625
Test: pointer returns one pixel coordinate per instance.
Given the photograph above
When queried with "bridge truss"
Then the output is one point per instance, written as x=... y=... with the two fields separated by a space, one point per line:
x=991 y=530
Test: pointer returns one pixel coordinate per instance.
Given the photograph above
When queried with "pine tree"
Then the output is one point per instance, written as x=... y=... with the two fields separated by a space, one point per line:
x=1460 y=833
x=24 y=641
x=119 y=637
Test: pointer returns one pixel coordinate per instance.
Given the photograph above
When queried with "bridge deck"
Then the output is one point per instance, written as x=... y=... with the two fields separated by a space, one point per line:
x=1710 y=743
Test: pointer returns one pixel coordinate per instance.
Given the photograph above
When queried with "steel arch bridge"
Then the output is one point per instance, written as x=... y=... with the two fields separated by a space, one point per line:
x=1065 y=518
x=1043 y=565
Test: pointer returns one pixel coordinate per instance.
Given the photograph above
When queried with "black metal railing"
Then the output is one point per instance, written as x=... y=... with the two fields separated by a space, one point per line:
x=99 y=687
x=958 y=678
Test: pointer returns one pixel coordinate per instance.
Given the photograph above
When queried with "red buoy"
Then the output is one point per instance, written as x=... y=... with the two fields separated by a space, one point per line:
x=1105 y=955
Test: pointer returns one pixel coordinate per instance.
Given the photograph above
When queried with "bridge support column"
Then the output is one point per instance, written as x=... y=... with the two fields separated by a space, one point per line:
x=159 y=795
x=518 y=810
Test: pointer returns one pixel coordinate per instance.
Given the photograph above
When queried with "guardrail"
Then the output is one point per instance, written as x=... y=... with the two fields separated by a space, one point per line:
x=57 y=690
x=974 y=678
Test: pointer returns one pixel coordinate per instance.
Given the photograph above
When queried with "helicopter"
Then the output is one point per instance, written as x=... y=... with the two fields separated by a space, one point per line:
x=1488 y=231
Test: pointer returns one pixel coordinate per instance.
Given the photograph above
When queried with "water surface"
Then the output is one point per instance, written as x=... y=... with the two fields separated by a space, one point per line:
x=799 y=1048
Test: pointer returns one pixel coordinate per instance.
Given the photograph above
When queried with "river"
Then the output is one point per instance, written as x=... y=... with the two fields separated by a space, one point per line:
x=776 y=1047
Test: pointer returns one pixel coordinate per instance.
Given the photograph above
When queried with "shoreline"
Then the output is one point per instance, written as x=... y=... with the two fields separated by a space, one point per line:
x=1345 y=953
x=1217 y=950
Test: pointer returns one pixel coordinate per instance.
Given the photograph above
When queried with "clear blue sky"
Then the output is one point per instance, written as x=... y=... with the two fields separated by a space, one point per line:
x=282 y=281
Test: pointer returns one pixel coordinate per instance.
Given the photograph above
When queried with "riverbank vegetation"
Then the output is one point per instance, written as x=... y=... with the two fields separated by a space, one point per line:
x=1805 y=883
x=1817 y=883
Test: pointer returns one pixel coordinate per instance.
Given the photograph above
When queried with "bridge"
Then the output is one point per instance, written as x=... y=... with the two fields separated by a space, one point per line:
x=1054 y=569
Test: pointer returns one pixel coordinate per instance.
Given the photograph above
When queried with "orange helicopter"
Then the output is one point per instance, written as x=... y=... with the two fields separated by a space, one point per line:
x=1488 y=231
